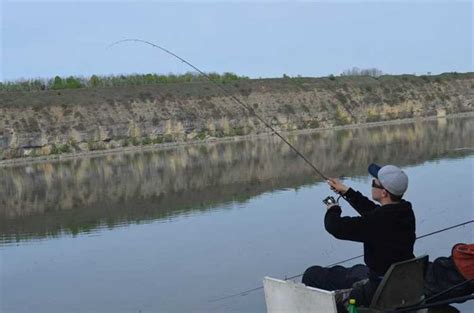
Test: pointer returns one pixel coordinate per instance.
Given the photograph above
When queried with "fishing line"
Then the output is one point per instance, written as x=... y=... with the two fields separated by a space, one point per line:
x=243 y=104
x=244 y=293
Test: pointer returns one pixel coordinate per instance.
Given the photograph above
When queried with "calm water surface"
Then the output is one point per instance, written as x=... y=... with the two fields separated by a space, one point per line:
x=169 y=231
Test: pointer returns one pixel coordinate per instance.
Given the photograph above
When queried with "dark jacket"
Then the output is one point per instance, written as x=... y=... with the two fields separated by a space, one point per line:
x=388 y=232
x=442 y=274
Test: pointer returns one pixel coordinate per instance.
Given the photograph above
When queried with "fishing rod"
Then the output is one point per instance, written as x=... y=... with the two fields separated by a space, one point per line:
x=252 y=111
x=243 y=104
x=244 y=293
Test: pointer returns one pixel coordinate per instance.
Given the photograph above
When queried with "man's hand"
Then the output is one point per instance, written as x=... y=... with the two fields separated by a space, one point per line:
x=329 y=206
x=337 y=186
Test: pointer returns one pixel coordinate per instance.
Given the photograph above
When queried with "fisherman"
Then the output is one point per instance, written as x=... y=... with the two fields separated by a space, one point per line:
x=387 y=231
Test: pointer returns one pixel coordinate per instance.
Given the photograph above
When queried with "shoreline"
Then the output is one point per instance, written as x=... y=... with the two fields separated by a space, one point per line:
x=213 y=140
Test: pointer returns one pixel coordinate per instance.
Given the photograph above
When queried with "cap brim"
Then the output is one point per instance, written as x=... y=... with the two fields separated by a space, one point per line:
x=374 y=170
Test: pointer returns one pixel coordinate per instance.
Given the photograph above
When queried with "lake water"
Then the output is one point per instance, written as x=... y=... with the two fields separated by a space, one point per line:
x=172 y=230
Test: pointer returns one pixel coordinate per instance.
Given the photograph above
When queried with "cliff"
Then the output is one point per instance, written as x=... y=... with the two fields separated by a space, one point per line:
x=88 y=119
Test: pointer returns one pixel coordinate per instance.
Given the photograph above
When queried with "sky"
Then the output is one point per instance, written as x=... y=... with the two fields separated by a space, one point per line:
x=251 y=38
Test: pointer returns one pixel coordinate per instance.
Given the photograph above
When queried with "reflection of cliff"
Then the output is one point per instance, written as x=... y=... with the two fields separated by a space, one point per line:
x=76 y=195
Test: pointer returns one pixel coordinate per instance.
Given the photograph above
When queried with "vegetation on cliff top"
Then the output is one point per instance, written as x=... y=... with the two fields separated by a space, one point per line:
x=95 y=81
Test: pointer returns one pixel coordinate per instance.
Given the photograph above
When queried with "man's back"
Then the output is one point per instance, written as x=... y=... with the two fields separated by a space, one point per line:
x=388 y=231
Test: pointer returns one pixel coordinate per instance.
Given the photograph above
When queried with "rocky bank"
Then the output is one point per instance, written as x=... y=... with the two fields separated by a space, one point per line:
x=81 y=120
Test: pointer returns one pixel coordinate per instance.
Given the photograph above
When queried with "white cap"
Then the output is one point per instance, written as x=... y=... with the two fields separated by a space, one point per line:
x=392 y=178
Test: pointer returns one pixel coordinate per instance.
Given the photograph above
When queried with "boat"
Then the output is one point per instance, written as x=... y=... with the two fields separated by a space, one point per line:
x=401 y=290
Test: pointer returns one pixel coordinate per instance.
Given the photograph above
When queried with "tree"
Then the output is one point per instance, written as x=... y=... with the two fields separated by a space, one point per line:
x=72 y=83
x=94 y=81
x=355 y=71
x=57 y=83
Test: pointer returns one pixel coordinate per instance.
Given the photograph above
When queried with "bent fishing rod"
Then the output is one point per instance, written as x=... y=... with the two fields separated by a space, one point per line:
x=240 y=102
x=246 y=292
x=251 y=111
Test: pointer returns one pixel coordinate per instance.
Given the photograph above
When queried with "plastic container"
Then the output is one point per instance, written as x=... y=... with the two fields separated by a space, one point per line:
x=352 y=306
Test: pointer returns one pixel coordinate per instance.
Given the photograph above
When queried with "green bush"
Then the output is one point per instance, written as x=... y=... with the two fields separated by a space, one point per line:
x=95 y=81
x=202 y=134
x=135 y=141
x=146 y=141
x=59 y=149
x=72 y=83
x=158 y=139
x=57 y=83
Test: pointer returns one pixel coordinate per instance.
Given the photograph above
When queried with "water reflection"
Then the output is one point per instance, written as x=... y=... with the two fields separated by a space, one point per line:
x=48 y=199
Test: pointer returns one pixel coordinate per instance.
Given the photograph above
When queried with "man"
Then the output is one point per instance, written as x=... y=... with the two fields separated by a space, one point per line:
x=387 y=231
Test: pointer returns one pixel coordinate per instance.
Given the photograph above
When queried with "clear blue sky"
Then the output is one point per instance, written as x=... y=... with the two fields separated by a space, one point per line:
x=256 y=39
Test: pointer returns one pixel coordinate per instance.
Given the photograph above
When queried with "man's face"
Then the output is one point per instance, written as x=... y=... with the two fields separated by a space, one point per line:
x=376 y=190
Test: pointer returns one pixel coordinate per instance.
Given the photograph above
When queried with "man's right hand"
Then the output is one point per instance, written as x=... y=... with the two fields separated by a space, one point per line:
x=337 y=186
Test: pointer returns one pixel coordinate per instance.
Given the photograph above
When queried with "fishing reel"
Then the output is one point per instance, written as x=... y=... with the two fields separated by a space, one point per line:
x=329 y=200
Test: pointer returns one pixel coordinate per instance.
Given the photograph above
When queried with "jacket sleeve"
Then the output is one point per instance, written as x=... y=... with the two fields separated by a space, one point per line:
x=347 y=228
x=360 y=203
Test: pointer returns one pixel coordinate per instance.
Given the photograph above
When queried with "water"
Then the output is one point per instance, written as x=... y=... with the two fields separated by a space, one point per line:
x=169 y=231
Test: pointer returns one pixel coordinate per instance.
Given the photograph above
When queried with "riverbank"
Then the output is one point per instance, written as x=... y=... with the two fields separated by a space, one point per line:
x=90 y=121
x=210 y=140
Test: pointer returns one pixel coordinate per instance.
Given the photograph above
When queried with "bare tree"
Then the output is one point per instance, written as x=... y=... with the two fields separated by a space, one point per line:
x=355 y=71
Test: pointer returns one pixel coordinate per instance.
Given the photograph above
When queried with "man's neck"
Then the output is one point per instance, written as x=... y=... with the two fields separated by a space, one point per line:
x=388 y=201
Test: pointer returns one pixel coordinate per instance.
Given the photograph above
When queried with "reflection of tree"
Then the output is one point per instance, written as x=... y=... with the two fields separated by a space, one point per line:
x=78 y=195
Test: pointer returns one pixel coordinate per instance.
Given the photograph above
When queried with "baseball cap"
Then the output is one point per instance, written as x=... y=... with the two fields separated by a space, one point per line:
x=392 y=178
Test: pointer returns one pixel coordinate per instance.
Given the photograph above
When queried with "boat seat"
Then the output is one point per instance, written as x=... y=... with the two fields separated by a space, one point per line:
x=401 y=287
